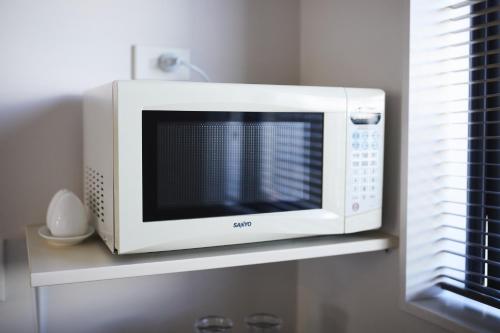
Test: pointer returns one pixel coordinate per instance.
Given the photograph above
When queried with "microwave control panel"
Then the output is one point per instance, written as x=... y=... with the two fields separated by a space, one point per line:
x=365 y=162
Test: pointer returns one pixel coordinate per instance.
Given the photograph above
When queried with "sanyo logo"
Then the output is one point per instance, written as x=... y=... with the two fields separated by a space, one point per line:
x=244 y=224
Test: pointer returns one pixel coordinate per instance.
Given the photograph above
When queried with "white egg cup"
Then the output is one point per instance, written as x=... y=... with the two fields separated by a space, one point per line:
x=67 y=220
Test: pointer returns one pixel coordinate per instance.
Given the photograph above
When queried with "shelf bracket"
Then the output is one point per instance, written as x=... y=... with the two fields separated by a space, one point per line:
x=39 y=309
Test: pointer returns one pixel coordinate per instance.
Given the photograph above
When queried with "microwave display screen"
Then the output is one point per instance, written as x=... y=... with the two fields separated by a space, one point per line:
x=199 y=164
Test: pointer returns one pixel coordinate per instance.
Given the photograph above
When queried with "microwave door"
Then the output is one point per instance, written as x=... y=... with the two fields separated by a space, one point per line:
x=199 y=164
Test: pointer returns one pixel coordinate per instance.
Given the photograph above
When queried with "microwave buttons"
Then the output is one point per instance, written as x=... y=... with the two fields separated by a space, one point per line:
x=364 y=170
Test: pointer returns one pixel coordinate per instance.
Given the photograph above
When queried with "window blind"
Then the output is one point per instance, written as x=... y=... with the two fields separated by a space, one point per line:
x=457 y=89
x=482 y=251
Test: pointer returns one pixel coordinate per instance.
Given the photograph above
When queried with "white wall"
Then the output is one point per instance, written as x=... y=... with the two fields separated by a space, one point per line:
x=359 y=43
x=171 y=303
x=51 y=52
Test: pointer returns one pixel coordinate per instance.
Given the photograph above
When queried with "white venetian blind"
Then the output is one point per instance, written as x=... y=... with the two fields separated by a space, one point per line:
x=453 y=231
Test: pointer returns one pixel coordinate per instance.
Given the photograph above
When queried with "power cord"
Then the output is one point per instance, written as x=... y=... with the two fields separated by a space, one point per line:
x=168 y=63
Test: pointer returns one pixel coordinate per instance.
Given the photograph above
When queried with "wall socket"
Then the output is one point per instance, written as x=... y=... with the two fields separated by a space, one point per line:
x=145 y=63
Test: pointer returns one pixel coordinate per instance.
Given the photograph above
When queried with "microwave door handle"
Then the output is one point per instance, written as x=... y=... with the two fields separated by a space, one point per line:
x=366 y=118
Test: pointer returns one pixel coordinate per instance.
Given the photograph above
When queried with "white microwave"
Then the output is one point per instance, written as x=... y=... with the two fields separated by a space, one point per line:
x=179 y=165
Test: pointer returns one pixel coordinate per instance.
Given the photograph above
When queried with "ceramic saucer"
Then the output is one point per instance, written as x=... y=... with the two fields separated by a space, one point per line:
x=44 y=232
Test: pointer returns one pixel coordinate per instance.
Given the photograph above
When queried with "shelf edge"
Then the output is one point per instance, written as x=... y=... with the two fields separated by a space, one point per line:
x=41 y=279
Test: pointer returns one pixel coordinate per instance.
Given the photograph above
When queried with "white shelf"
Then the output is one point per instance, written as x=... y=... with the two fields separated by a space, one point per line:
x=92 y=261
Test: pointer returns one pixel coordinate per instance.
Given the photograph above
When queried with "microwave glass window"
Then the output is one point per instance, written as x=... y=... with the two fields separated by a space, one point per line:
x=204 y=164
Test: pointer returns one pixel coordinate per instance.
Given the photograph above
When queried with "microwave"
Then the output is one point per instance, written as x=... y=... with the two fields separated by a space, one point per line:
x=182 y=165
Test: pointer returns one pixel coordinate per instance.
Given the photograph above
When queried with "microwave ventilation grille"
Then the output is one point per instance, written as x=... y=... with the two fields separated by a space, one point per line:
x=94 y=193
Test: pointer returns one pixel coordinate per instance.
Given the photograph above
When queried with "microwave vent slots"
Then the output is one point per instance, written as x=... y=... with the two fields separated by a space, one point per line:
x=94 y=193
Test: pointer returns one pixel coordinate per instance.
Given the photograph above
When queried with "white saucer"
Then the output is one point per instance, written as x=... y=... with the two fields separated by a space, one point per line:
x=44 y=232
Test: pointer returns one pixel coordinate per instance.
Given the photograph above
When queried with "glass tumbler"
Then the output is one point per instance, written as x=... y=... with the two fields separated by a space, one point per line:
x=213 y=324
x=263 y=323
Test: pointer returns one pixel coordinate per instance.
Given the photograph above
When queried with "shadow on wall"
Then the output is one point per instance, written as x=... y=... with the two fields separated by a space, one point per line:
x=333 y=318
x=41 y=152
x=270 y=50
x=323 y=315
x=172 y=302
x=249 y=50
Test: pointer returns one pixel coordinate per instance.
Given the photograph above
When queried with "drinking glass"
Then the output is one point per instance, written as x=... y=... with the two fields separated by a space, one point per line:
x=213 y=324
x=263 y=323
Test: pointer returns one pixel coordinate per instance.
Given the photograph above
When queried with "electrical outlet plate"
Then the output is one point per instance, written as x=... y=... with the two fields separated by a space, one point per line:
x=2 y=272
x=145 y=63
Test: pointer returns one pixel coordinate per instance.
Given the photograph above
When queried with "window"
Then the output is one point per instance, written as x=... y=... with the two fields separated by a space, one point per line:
x=482 y=251
x=453 y=185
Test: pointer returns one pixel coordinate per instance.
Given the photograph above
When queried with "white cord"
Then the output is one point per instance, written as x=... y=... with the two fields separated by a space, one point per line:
x=195 y=68
x=167 y=63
